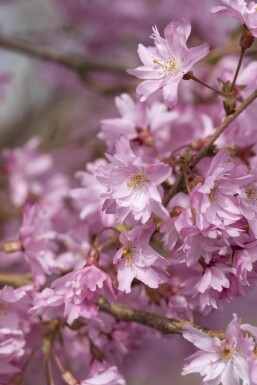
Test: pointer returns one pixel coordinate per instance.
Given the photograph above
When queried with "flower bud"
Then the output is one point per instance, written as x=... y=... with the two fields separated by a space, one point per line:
x=246 y=39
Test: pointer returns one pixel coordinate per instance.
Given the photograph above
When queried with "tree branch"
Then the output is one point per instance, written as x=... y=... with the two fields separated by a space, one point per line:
x=155 y=321
x=204 y=151
x=75 y=62
x=122 y=312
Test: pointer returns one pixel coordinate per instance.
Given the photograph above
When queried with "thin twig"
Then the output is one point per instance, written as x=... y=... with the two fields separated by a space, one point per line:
x=204 y=151
x=218 y=92
x=238 y=68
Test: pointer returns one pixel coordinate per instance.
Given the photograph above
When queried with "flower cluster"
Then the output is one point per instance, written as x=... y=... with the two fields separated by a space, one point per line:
x=165 y=222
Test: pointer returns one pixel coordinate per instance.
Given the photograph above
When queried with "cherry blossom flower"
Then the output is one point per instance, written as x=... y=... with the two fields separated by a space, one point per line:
x=136 y=259
x=165 y=64
x=146 y=123
x=219 y=361
x=245 y=13
x=78 y=292
x=37 y=250
x=24 y=166
x=214 y=200
x=133 y=185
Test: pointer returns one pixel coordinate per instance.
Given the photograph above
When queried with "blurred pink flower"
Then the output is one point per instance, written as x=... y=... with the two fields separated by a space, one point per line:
x=245 y=13
x=24 y=165
x=103 y=375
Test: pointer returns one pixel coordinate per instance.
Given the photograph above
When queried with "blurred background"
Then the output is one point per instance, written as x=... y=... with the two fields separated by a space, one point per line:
x=64 y=108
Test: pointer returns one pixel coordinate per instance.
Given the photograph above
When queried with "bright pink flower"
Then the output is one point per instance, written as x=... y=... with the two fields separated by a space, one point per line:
x=213 y=200
x=245 y=13
x=78 y=292
x=244 y=261
x=133 y=185
x=219 y=361
x=136 y=259
x=165 y=64
x=139 y=121
x=247 y=200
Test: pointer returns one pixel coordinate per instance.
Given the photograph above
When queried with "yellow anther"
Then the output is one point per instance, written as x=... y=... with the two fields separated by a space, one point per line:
x=137 y=180
x=227 y=352
x=213 y=194
x=168 y=66
x=251 y=193
x=127 y=253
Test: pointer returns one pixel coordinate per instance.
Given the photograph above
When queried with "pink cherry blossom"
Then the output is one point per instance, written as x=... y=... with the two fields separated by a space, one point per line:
x=87 y=198
x=244 y=12
x=139 y=121
x=136 y=259
x=78 y=292
x=133 y=185
x=24 y=166
x=165 y=64
x=219 y=361
x=37 y=250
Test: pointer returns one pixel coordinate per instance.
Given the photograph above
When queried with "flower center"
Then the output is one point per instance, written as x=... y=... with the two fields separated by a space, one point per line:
x=226 y=352
x=3 y=311
x=168 y=66
x=213 y=194
x=251 y=194
x=127 y=253
x=137 y=180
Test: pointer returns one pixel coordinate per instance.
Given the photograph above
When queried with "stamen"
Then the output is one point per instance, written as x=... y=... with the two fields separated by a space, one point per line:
x=251 y=193
x=3 y=311
x=137 y=180
x=168 y=66
x=226 y=352
x=213 y=194
x=127 y=253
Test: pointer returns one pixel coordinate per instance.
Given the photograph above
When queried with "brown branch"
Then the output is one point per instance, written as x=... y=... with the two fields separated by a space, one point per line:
x=15 y=280
x=122 y=312
x=204 y=151
x=155 y=321
x=75 y=62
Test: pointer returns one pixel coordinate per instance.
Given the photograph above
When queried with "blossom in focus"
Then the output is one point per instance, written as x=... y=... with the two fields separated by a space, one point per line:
x=78 y=292
x=219 y=361
x=214 y=200
x=165 y=64
x=245 y=13
x=133 y=185
x=136 y=259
